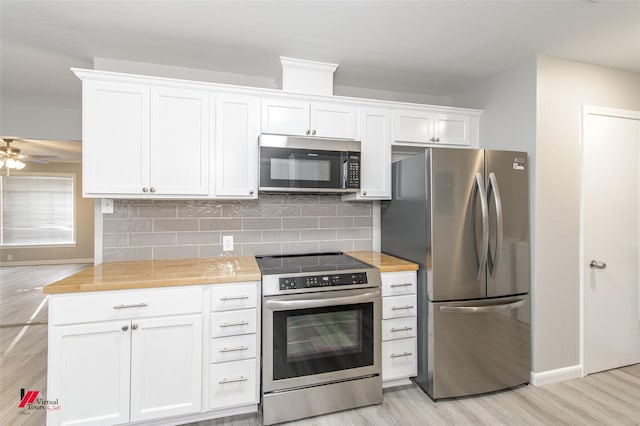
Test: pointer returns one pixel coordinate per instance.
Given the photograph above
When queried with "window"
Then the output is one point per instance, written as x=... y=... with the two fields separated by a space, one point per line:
x=37 y=210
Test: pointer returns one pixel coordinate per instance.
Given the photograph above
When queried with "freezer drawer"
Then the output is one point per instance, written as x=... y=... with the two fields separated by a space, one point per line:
x=478 y=346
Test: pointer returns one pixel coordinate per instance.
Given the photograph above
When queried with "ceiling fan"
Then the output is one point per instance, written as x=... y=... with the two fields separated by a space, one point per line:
x=12 y=157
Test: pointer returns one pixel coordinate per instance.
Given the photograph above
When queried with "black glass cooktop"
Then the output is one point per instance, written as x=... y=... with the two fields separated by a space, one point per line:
x=315 y=262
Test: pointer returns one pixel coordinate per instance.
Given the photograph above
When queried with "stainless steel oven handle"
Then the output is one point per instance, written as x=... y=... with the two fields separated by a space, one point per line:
x=318 y=303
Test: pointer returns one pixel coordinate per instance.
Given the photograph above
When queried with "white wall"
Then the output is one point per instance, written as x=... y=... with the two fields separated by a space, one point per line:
x=564 y=87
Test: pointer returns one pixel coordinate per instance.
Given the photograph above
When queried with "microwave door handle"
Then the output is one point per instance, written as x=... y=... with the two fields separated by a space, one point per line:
x=319 y=303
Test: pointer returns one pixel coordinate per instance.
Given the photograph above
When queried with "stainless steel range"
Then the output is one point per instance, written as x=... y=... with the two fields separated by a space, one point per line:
x=321 y=338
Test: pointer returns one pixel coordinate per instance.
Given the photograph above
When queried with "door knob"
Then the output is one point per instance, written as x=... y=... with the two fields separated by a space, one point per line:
x=597 y=264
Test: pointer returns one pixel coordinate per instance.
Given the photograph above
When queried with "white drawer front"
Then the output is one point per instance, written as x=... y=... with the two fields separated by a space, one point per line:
x=233 y=348
x=398 y=328
x=399 y=359
x=233 y=383
x=225 y=297
x=397 y=283
x=233 y=323
x=114 y=305
x=398 y=306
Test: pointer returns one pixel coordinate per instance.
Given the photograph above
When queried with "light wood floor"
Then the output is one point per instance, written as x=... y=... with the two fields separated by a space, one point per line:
x=608 y=398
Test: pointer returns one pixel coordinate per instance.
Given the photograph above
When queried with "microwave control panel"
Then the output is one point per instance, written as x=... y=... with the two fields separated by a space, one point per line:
x=294 y=283
x=353 y=171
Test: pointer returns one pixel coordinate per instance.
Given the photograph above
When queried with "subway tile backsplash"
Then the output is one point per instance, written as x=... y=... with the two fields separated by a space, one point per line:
x=273 y=224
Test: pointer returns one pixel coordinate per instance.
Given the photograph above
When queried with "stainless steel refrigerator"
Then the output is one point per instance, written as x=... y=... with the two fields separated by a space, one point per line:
x=463 y=216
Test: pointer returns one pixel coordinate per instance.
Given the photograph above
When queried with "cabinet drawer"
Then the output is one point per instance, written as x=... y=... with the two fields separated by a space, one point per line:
x=225 y=297
x=233 y=348
x=398 y=306
x=233 y=323
x=233 y=383
x=399 y=359
x=114 y=305
x=398 y=328
x=396 y=283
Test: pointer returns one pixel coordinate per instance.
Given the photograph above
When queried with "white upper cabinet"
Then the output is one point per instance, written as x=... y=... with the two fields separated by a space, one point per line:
x=179 y=158
x=304 y=118
x=430 y=127
x=115 y=126
x=375 y=161
x=236 y=146
x=144 y=141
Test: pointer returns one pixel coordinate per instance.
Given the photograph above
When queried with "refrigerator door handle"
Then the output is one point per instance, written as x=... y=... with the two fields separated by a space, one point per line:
x=483 y=309
x=493 y=187
x=482 y=261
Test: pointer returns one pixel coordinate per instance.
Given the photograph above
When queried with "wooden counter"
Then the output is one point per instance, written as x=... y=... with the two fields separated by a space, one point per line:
x=158 y=273
x=384 y=262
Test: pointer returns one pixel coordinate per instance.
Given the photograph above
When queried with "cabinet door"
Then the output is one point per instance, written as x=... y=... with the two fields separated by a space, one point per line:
x=375 y=168
x=179 y=154
x=285 y=117
x=333 y=121
x=166 y=366
x=413 y=126
x=236 y=144
x=88 y=372
x=115 y=133
x=452 y=129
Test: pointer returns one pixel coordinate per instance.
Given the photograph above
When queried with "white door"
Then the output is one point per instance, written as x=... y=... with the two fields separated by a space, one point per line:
x=88 y=373
x=179 y=156
x=611 y=233
x=375 y=167
x=285 y=117
x=333 y=121
x=166 y=366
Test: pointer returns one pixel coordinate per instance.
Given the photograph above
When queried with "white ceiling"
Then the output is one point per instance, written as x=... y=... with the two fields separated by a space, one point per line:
x=430 y=47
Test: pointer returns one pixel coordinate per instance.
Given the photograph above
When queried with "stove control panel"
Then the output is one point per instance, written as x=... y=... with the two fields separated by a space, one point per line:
x=294 y=283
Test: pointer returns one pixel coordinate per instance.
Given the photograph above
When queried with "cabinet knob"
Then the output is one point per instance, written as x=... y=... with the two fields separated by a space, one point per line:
x=145 y=189
x=313 y=132
x=364 y=192
x=251 y=192
x=152 y=189
x=437 y=139
x=308 y=131
x=432 y=139
x=125 y=327
x=134 y=326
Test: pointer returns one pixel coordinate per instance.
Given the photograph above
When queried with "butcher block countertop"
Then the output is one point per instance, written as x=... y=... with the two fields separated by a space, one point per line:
x=384 y=262
x=158 y=273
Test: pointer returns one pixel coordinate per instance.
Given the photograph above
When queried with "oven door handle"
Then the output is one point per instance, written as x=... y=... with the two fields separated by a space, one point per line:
x=319 y=303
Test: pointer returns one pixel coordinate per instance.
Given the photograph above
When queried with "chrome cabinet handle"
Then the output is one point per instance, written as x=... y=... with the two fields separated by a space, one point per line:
x=239 y=379
x=595 y=264
x=399 y=308
x=251 y=192
x=125 y=327
x=364 y=192
x=395 y=330
x=401 y=285
x=145 y=189
x=308 y=131
x=433 y=139
x=134 y=327
x=403 y=354
x=313 y=132
x=234 y=324
x=152 y=189
x=135 y=305
x=437 y=139
x=227 y=298
x=240 y=348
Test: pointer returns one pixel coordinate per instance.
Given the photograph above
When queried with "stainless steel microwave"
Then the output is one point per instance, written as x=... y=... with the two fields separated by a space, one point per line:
x=297 y=164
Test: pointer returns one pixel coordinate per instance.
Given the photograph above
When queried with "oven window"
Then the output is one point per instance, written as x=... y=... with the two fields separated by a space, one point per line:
x=300 y=169
x=319 y=340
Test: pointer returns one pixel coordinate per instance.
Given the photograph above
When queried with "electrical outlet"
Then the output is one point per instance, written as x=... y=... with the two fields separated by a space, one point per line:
x=107 y=206
x=227 y=242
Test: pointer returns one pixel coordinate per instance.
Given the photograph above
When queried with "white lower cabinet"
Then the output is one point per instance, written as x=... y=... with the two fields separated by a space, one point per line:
x=233 y=383
x=399 y=347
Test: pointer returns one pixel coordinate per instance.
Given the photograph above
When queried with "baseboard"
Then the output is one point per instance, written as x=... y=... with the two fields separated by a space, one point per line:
x=46 y=262
x=557 y=375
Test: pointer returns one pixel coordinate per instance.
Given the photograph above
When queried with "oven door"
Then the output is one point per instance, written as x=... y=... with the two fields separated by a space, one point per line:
x=303 y=170
x=316 y=338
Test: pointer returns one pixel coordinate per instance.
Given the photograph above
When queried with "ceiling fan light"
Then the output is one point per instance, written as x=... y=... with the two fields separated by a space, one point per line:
x=11 y=163
x=1 y=163
x=19 y=165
